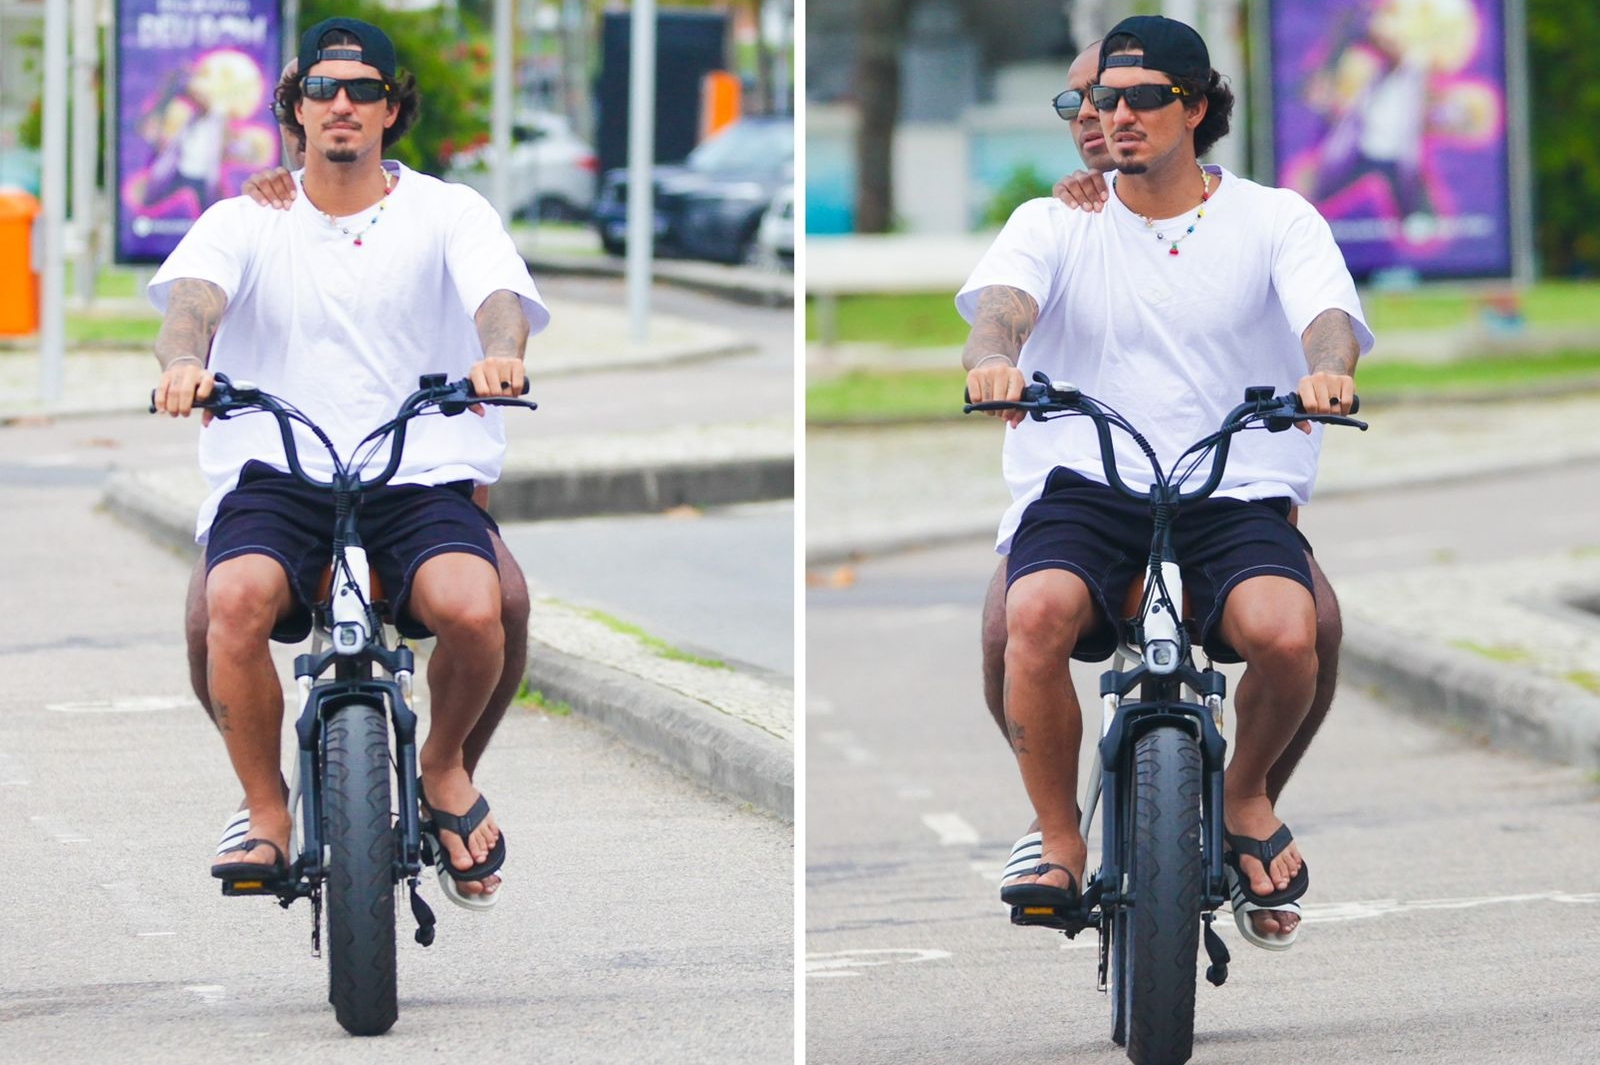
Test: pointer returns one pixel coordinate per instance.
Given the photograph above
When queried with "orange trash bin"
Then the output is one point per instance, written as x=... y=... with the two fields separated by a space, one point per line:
x=19 y=285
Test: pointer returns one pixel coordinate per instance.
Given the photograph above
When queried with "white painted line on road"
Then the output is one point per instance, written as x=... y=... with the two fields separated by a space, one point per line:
x=209 y=993
x=136 y=705
x=60 y=833
x=952 y=829
x=845 y=743
x=845 y=962
x=1365 y=910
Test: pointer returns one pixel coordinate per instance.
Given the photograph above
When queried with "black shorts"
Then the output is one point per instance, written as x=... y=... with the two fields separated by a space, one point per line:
x=1102 y=536
x=275 y=514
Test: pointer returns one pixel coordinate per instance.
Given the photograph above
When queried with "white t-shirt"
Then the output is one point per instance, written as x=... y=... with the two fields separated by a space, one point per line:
x=1170 y=341
x=344 y=331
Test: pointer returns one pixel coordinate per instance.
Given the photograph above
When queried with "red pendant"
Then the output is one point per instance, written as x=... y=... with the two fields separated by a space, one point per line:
x=1170 y=251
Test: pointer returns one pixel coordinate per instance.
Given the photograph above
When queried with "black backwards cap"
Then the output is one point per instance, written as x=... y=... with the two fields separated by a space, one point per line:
x=376 y=48
x=1170 y=46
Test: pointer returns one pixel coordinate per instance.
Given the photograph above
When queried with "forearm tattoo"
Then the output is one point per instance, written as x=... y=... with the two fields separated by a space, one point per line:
x=194 y=309
x=1001 y=326
x=502 y=327
x=1330 y=344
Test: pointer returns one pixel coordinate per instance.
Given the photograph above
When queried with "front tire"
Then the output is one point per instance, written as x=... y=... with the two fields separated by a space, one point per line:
x=1165 y=878
x=359 y=831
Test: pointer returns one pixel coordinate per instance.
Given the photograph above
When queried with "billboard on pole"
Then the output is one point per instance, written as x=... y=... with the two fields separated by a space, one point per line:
x=1390 y=117
x=193 y=103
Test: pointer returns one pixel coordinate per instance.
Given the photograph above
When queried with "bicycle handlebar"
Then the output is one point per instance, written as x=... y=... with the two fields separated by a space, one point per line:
x=450 y=398
x=1046 y=399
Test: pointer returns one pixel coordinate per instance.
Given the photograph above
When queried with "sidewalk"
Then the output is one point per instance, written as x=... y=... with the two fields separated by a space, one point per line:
x=874 y=490
x=730 y=731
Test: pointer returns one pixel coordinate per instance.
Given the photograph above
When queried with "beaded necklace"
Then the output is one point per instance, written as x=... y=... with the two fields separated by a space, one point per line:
x=1205 y=194
x=388 y=187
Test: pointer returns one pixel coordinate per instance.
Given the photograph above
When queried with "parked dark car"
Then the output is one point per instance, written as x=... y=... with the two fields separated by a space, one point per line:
x=709 y=207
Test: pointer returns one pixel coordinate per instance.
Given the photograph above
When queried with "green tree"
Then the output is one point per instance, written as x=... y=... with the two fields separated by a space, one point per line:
x=1564 y=109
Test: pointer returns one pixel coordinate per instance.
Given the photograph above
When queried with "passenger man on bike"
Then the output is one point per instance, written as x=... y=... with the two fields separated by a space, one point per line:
x=1088 y=189
x=276 y=188
x=1192 y=284
x=372 y=278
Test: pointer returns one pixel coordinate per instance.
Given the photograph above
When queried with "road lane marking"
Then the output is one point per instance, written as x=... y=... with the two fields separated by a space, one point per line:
x=952 y=829
x=135 y=705
x=845 y=962
x=211 y=994
x=60 y=833
x=844 y=741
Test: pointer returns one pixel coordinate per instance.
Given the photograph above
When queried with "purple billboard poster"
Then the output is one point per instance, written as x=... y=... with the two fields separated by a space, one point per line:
x=1390 y=117
x=194 y=112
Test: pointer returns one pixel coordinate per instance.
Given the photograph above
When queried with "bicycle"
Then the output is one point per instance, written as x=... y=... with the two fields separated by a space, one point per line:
x=352 y=847
x=1161 y=756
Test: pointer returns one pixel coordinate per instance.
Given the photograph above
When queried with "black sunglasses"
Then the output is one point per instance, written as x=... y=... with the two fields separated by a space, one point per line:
x=1069 y=103
x=1140 y=97
x=360 y=90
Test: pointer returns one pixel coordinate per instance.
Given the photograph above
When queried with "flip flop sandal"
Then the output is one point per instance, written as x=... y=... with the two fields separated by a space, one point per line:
x=234 y=832
x=449 y=876
x=266 y=872
x=1246 y=901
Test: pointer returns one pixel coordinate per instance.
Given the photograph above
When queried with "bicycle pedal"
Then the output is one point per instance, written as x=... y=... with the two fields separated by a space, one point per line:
x=1069 y=921
x=249 y=887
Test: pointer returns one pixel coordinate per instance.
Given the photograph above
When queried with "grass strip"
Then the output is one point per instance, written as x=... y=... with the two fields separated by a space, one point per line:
x=929 y=319
x=917 y=395
x=655 y=643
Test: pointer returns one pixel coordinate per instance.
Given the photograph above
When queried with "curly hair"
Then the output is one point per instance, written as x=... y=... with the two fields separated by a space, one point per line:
x=404 y=95
x=1218 y=96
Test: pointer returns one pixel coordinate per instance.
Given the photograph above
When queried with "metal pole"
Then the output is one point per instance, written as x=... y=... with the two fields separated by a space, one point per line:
x=505 y=46
x=85 y=130
x=641 y=165
x=1519 y=155
x=53 y=194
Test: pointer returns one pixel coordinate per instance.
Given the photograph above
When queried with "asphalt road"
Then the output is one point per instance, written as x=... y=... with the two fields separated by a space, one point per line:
x=622 y=935
x=1453 y=914
x=718 y=583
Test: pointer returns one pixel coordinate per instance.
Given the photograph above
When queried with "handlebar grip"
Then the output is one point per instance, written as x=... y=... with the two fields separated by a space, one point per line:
x=1355 y=405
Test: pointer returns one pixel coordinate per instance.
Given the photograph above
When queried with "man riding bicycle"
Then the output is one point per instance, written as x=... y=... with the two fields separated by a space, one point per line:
x=276 y=188
x=372 y=278
x=1192 y=284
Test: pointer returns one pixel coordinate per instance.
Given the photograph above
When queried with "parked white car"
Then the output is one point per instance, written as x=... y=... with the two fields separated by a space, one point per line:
x=553 y=170
x=775 y=234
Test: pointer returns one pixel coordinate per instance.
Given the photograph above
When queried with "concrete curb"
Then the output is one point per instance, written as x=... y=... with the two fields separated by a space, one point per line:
x=546 y=495
x=1508 y=707
x=742 y=284
x=722 y=753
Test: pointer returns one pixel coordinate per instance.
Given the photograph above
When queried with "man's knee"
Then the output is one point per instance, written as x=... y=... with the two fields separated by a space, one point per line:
x=1047 y=612
x=243 y=599
x=457 y=596
x=1272 y=621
